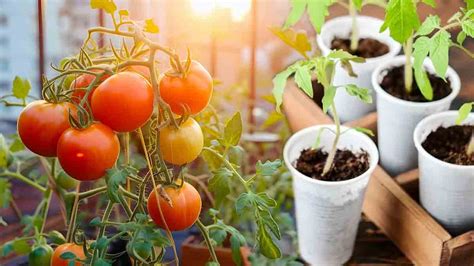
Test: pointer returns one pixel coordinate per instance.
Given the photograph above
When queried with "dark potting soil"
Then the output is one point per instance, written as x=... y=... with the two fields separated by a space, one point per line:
x=347 y=165
x=367 y=47
x=449 y=144
x=394 y=84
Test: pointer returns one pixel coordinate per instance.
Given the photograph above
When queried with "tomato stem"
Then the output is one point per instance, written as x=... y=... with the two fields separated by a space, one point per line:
x=72 y=218
x=205 y=234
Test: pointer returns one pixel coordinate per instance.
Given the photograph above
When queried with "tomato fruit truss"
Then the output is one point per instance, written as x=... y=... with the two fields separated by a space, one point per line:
x=56 y=259
x=80 y=84
x=194 y=90
x=40 y=256
x=184 y=209
x=124 y=102
x=181 y=145
x=41 y=124
x=85 y=154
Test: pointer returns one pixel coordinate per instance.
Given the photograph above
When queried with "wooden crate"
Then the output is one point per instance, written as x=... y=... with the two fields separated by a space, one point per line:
x=390 y=203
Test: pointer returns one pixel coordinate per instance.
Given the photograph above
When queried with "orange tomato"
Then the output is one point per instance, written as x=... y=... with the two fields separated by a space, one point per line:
x=194 y=91
x=41 y=124
x=67 y=247
x=80 y=84
x=186 y=207
x=124 y=102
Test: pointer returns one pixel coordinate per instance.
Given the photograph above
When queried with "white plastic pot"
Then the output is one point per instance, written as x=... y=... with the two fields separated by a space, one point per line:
x=349 y=107
x=446 y=190
x=397 y=118
x=328 y=213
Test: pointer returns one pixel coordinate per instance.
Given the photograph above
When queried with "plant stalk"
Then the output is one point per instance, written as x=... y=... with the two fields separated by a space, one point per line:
x=355 y=28
x=205 y=234
x=72 y=219
x=24 y=179
x=470 y=146
x=332 y=153
x=408 y=50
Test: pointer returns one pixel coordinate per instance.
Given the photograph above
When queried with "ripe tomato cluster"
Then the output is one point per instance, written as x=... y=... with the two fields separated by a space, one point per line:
x=124 y=102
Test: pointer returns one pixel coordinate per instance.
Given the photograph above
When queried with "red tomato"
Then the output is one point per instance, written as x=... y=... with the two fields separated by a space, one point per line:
x=195 y=90
x=142 y=70
x=183 y=145
x=80 y=84
x=67 y=247
x=86 y=153
x=124 y=102
x=185 y=209
x=41 y=124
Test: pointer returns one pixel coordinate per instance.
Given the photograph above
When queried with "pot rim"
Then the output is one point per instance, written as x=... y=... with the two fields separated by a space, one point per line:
x=417 y=138
x=451 y=74
x=394 y=47
x=374 y=157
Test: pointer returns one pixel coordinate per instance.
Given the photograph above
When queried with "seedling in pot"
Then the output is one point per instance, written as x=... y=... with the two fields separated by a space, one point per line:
x=424 y=40
x=323 y=67
x=453 y=144
x=318 y=10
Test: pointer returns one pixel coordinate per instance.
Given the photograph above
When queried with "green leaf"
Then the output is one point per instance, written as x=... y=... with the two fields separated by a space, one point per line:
x=21 y=246
x=279 y=84
x=343 y=55
x=263 y=200
x=5 y=193
x=150 y=26
x=31 y=223
x=357 y=4
x=297 y=9
x=218 y=235
x=469 y=4
x=439 y=52
x=461 y=37
x=401 y=18
x=233 y=130
x=328 y=98
x=421 y=49
x=245 y=201
x=365 y=131
x=21 y=87
x=431 y=3
x=468 y=27
x=267 y=247
x=235 y=244
x=298 y=40
x=115 y=177
x=362 y=94
x=423 y=83
x=267 y=168
x=303 y=79
x=212 y=161
x=17 y=145
x=107 y=5
x=68 y=255
x=317 y=11
x=430 y=23
x=464 y=112
x=219 y=183
x=270 y=223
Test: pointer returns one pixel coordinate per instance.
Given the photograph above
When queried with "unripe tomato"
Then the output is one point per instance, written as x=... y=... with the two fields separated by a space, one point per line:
x=124 y=102
x=65 y=181
x=41 y=124
x=40 y=256
x=183 y=145
x=81 y=83
x=194 y=90
x=86 y=153
x=142 y=70
x=185 y=209
x=67 y=247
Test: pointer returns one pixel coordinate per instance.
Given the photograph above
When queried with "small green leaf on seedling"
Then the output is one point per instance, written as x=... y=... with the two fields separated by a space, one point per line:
x=461 y=37
x=150 y=26
x=439 y=52
x=468 y=27
x=21 y=87
x=365 y=131
x=401 y=19
x=328 y=98
x=107 y=5
x=318 y=10
x=279 y=83
x=464 y=112
x=431 y=3
x=303 y=79
x=298 y=40
x=431 y=23
x=362 y=93
x=297 y=9
x=123 y=13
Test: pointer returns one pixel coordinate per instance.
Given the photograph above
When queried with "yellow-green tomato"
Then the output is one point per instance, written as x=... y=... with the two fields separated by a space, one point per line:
x=183 y=145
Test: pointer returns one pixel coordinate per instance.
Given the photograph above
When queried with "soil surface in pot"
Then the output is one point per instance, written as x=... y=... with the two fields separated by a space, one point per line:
x=449 y=144
x=347 y=164
x=394 y=83
x=367 y=48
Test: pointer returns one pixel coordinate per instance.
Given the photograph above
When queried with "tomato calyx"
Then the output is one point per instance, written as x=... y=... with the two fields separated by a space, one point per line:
x=180 y=68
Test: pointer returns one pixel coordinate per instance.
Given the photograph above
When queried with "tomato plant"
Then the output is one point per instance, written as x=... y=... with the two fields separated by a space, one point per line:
x=41 y=124
x=40 y=256
x=193 y=90
x=80 y=84
x=181 y=145
x=86 y=153
x=124 y=102
x=181 y=212
x=77 y=250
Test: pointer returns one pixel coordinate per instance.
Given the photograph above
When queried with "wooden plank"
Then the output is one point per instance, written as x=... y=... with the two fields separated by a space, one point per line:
x=459 y=250
x=369 y=121
x=409 y=182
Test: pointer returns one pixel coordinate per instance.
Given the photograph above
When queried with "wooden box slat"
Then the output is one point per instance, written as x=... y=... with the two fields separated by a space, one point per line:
x=388 y=203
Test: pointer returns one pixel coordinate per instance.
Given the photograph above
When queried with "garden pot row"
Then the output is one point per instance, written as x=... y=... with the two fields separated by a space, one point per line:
x=328 y=212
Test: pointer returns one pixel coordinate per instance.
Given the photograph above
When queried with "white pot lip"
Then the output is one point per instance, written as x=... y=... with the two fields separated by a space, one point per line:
x=447 y=115
x=394 y=47
x=451 y=74
x=374 y=157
